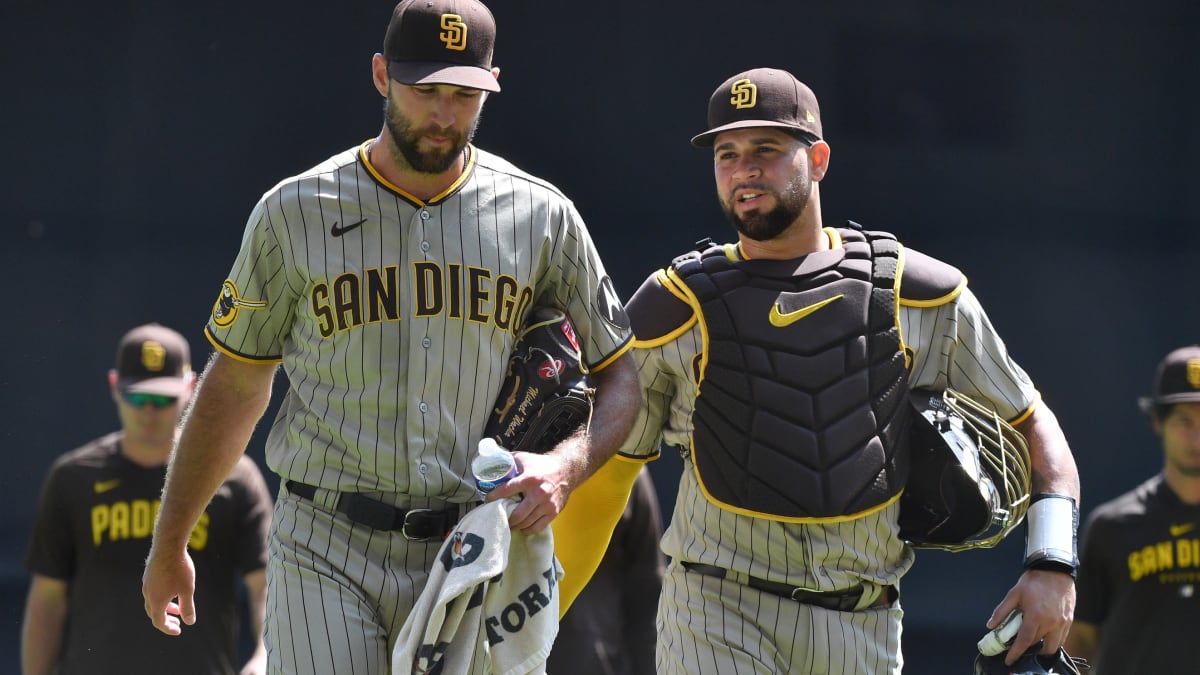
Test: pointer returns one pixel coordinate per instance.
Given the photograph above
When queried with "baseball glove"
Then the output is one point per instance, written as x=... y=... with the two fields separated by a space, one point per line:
x=995 y=645
x=1031 y=663
x=546 y=395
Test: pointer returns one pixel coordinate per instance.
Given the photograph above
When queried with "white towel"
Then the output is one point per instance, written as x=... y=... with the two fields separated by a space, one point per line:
x=491 y=603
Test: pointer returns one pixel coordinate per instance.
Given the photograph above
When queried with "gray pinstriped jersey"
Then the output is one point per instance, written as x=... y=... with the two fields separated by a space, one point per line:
x=393 y=318
x=953 y=345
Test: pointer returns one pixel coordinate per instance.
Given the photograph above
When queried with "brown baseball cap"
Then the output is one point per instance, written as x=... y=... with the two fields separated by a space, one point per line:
x=153 y=359
x=763 y=97
x=1177 y=379
x=441 y=42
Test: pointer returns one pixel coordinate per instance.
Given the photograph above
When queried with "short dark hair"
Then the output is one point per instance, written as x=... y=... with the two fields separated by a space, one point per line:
x=802 y=136
x=1161 y=411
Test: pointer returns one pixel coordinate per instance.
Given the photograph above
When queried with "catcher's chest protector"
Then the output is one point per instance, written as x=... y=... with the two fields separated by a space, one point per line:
x=802 y=396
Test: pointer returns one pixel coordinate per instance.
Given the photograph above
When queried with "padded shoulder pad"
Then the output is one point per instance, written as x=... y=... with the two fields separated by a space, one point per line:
x=654 y=311
x=928 y=281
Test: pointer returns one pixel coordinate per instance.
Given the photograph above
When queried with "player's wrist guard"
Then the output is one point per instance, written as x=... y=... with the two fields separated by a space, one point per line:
x=1051 y=541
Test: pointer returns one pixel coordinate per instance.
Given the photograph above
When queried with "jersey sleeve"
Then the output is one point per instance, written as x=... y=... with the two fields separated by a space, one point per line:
x=51 y=549
x=578 y=282
x=955 y=345
x=665 y=349
x=254 y=310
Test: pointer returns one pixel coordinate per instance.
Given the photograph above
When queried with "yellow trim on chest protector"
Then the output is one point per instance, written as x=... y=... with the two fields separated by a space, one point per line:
x=780 y=317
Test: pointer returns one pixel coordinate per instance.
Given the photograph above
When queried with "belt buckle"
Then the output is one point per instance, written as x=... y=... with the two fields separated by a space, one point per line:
x=404 y=526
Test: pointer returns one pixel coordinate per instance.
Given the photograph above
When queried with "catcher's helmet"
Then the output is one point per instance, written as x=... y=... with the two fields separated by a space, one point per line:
x=1031 y=663
x=970 y=474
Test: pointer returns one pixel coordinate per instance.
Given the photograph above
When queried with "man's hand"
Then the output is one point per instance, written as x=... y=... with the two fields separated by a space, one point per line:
x=542 y=484
x=1047 y=600
x=168 y=584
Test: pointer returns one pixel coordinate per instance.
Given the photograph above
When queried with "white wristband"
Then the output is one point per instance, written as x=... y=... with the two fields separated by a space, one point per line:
x=1050 y=539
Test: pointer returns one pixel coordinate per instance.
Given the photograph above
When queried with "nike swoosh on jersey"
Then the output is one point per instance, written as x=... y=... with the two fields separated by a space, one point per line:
x=339 y=231
x=780 y=319
x=103 y=486
x=1180 y=530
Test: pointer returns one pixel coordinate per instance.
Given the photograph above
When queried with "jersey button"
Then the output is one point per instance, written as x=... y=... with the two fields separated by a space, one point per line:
x=424 y=407
x=423 y=468
x=427 y=342
x=424 y=246
x=424 y=215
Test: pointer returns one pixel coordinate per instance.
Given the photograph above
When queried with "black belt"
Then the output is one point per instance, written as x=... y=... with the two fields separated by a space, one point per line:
x=841 y=601
x=414 y=524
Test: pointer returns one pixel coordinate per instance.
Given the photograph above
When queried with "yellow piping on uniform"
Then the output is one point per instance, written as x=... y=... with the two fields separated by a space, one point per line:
x=835 y=242
x=1028 y=411
x=615 y=355
x=462 y=178
x=640 y=460
x=233 y=355
x=835 y=237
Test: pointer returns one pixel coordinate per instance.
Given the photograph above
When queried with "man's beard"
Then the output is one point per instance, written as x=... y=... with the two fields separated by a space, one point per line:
x=766 y=225
x=407 y=141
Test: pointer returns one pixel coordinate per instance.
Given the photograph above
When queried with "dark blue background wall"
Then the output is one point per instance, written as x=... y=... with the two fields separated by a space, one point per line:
x=1048 y=149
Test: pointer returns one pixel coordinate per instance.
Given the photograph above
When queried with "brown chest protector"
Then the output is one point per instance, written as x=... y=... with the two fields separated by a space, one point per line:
x=802 y=403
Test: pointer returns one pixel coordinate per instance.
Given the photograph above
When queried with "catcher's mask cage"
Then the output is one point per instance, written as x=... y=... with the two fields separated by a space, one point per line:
x=970 y=479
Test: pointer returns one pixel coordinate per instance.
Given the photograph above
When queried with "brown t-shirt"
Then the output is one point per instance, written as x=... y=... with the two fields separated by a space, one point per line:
x=1139 y=581
x=93 y=529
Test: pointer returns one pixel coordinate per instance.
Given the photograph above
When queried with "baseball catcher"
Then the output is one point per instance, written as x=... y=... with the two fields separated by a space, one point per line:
x=546 y=395
x=970 y=479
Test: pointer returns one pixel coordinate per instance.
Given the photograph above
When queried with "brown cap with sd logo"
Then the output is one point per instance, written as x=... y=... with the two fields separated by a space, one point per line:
x=1177 y=379
x=763 y=97
x=441 y=42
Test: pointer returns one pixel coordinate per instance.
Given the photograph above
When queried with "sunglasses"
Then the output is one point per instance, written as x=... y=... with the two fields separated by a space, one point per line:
x=158 y=401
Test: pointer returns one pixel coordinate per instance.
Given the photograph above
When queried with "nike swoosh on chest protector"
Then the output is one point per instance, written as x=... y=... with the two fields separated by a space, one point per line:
x=780 y=319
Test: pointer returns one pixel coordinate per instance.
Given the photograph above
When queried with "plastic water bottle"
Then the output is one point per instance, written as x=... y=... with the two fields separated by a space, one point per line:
x=492 y=466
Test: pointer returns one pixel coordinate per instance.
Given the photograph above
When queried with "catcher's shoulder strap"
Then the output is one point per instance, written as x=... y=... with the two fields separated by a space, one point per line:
x=927 y=281
x=659 y=309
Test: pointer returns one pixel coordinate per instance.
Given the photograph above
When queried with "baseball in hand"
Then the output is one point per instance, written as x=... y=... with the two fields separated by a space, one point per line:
x=998 y=639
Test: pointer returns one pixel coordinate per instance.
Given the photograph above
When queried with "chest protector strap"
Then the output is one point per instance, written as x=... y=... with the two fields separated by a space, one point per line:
x=802 y=384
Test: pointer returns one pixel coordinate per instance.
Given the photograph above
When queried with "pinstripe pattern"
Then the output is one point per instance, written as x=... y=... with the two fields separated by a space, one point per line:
x=396 y=404
x=953 y=345
x=766 y=634
x=337 y=592
x=393 y=320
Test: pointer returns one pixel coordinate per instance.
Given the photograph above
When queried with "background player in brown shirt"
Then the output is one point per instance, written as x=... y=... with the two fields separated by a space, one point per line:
x=93 y=528
x=1139 y=566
